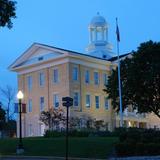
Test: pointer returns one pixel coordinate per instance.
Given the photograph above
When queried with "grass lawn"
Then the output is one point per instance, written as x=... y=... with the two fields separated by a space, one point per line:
x=93 y=147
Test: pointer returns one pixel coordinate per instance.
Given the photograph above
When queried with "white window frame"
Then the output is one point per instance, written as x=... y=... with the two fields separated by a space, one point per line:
x=41 y=79
x=30 y=130
x=56 y=99
x=30 y=105
x=105 y=78
x=106 y=106
x=42 y=105
x=97 y=107
x=88 y=104
x=87 y=76
x=29 y=82
x=55 y=77
x=78 y=96
x=75 y=73
x=96 y=81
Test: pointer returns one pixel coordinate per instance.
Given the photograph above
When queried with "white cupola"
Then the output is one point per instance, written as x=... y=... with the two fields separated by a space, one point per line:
x=98 y=38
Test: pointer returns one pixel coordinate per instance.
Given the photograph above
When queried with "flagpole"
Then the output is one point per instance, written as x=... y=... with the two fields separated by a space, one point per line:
x=119 y=76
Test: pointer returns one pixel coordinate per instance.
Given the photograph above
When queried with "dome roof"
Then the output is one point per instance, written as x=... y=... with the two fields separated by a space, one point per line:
x=98 y=21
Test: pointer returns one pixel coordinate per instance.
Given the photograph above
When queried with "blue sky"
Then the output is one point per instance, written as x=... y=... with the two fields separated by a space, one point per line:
x=64 y=24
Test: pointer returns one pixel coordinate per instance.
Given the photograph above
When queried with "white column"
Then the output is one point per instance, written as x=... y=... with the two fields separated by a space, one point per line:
x=91 y=35
x=95 y=34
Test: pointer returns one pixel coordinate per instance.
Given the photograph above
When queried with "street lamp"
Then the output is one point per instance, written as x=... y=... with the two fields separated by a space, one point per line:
x=67 y=102
x=20 y=148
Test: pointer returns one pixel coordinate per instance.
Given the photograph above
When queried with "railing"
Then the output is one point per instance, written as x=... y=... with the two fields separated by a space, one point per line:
x=134 y=114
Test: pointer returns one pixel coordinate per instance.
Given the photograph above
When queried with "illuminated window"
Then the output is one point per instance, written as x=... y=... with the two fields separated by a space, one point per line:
x=88 y=100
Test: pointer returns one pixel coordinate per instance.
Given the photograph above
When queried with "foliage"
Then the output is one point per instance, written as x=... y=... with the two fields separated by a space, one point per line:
x=2 y=114
x=53 y=118
x=140 y=77
x=7 y=12
x=10 y=128
x=135 y=141
x=53 y=134
x=99 y=124
x=7 y=128
x=79 y=133
x=86 y=123
x=8 y=94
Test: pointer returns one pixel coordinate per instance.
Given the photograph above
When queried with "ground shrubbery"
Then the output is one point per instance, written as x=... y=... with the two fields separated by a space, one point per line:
x=78 y=133
x=134 y=141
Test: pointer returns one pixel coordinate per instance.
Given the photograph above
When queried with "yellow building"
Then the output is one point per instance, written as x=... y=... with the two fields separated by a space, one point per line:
x=46 y=74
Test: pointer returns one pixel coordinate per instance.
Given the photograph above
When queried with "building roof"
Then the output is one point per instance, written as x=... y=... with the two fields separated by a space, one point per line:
x=98 y=21
x=75 y=52
x=116 y=57
x=27 y=58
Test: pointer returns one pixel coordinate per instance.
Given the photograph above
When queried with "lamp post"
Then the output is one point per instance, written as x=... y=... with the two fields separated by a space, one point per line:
x=20 y=148
x=67 y=102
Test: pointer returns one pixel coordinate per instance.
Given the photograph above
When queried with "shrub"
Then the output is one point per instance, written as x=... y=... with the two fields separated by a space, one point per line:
x=49 y=134
x=134 y=141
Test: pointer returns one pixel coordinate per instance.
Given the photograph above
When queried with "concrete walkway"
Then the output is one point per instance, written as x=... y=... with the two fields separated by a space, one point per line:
x=138 y=158
x=41 y=158
x=62 y=158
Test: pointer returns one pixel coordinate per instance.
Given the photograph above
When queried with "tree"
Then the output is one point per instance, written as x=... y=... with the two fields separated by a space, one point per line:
x=2 y=113
x=52 y=118
x=140 y=77
x=7 y=12
x=2 y=118
x=8 y=93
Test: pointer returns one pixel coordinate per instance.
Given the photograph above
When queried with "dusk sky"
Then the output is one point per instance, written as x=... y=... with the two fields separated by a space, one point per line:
x=64 y=24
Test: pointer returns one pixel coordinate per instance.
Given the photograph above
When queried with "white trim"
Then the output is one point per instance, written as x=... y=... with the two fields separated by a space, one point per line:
x=31 y=50
x=43 y=66
x=62 y=61
x=90 y=64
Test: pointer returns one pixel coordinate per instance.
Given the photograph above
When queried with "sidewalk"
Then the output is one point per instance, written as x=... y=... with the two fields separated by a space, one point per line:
x=42 y=158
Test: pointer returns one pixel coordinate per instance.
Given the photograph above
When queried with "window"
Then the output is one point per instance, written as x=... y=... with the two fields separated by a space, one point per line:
x=87 y=76
x=30 y=105
x=29 y=82
x=75 y=73
x=76 y=99
x=88 y=100
x=97 y=101
x=40 y=58
x=41 y=103
x=106 y=103
x=105 y=79
x=30 y=130
x=55 y=100
x=55 y=76
x=41 y=79
x=96 y=78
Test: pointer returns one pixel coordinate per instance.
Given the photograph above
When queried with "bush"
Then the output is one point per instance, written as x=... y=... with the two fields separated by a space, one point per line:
x=135 y=141
x=76 y=133
x=49 y=134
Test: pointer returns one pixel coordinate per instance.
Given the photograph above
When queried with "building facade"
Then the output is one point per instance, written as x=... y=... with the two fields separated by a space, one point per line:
x=46 y=74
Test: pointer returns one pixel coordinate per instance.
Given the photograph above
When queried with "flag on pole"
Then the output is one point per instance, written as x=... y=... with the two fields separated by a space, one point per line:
x=117 y=31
